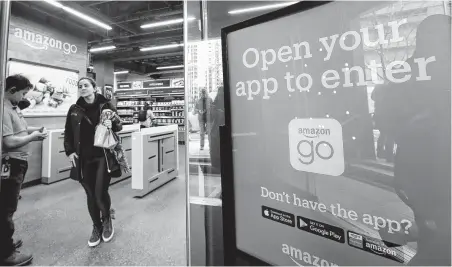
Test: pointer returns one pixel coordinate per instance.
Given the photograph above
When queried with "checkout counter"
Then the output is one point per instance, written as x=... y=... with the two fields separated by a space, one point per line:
x=151 y=152
x=155 y=158
x=55 y=164
x=125 y=136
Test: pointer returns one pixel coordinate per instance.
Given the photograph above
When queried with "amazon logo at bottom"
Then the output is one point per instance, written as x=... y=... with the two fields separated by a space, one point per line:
x=302 y=258
x=375 y=246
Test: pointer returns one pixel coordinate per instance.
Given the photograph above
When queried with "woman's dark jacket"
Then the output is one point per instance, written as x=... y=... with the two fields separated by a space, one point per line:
x=75 y=116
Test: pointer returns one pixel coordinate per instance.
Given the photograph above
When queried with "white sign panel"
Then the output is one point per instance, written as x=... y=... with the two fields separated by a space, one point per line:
x=315 y=146
x=313 y=184
x=137 y=85
x=54 y=90
x=178 y=82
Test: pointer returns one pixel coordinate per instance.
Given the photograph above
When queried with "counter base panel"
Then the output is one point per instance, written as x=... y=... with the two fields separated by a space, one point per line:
x=122 y=178
x=155 y=182
x=47 y=180
x=51 y=180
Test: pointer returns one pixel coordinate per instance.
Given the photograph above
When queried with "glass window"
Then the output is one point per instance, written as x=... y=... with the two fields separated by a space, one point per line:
x=206 y=115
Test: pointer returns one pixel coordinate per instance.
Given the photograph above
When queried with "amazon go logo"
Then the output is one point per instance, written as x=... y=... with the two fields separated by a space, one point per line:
x=316 y=146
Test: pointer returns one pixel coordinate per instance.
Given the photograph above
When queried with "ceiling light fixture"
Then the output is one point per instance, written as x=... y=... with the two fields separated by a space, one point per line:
x=153 y=48
x=170 y=67
x=79 y=14
x=260 y=8
x=121 y=72
x=165 y=23
x=99 y=49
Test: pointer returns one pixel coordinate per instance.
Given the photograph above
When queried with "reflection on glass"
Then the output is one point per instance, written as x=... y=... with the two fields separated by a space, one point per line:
x=205 y=77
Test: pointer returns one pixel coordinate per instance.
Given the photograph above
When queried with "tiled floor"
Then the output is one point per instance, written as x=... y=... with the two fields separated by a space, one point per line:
x=54 y=224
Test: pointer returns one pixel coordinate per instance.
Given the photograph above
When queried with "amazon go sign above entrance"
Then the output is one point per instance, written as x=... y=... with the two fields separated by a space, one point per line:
x=43 y=42
x=316 y=146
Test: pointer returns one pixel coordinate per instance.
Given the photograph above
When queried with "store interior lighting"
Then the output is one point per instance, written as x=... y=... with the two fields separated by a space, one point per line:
x=170 y=67
x=165 y=23
x=260 y=8
x=153 y=48
x=79 y=14
x=121 y=72
x=100 y=49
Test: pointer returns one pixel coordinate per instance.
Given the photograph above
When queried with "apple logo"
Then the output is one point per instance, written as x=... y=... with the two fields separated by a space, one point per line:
x=266 y=212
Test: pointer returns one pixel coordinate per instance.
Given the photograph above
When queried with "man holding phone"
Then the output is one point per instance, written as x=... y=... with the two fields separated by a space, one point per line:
x=17 y=136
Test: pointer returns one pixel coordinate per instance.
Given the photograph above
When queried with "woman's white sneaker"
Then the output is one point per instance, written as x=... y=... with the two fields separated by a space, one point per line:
x=94 y=240
x=108 y=230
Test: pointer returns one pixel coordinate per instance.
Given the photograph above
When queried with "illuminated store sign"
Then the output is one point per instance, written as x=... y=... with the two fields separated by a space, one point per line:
x=43 y=42
x=124 y=86
x=156 y=83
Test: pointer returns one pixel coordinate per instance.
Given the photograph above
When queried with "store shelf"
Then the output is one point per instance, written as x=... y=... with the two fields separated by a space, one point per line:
x=171 y=124
x=131 y=97
x=166 y=111
x=169 y=117
x=120 y=106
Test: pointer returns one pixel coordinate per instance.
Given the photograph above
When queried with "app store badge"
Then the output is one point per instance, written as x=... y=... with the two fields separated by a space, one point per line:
x=278 y=216
x=316 y=146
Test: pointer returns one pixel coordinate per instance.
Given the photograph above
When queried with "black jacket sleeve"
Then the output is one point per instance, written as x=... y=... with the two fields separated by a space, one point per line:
x=68 y=135
x=116 y=121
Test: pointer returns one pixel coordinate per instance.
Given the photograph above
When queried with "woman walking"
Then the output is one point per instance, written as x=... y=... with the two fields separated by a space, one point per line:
x=94 y=166
x=146 y=117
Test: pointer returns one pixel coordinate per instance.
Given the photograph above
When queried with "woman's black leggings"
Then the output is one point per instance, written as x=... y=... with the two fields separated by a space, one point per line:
x=96 y=181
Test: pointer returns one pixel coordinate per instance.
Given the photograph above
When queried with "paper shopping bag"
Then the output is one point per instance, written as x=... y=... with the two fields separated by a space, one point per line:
x=104 y=137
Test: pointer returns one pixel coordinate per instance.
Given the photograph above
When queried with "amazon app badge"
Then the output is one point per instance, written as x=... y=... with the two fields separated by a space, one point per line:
x=315 y=145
